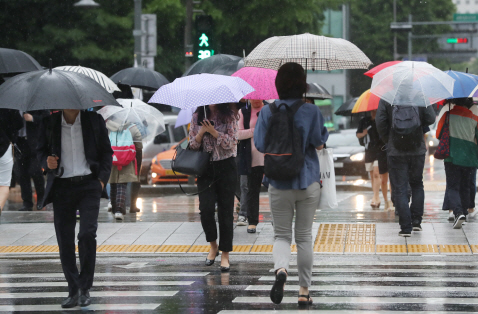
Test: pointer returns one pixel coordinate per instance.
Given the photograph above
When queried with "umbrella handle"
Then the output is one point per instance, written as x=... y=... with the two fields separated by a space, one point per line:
x=58 y=172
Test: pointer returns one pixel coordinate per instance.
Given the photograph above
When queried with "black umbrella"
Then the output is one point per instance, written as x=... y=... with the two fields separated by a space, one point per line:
x=210 y=64
x=346 y=108
x=53 y=89
x=15 y=61
x=140 y=77
x=229 y=68
x=317 y=91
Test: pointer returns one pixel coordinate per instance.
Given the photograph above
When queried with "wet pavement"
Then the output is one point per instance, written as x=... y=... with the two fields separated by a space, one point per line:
x=153 y=261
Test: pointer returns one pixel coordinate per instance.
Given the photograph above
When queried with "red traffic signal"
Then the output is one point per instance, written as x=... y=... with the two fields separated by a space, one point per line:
x=457 y=40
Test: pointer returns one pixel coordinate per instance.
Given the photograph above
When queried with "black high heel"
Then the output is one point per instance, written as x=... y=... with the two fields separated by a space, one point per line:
x=304 y=303
x=210 y=262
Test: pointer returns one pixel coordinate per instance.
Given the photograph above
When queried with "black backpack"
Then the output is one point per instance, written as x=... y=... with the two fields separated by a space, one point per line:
x=406 y=126
x=283 y=156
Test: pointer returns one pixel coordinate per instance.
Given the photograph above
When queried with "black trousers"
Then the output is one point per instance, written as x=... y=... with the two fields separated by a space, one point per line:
x=254 y=182
x=67 y=198
x=224 y=175
x=459 y=183
x=28 y=167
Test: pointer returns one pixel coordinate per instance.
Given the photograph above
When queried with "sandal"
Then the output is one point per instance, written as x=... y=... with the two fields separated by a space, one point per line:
x=277 y=291
x=308 y=302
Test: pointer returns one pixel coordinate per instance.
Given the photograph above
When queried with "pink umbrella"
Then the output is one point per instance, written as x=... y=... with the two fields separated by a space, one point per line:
x=262 y=80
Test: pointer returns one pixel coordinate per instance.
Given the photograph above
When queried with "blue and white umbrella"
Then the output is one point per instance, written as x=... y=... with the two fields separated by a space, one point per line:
x=465 y=84
x=193 y=91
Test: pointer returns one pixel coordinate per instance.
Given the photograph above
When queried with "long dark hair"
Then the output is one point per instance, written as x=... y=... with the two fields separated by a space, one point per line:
x=224 y=113
x=464 y=102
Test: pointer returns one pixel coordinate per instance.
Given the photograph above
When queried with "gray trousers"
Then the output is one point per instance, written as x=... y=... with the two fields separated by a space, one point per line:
x=282 y=204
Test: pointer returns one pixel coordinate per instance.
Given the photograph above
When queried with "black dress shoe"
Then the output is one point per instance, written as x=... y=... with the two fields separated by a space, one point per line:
x=251 y=230
x=25 y=209
x=70 y=302
x=85 y=299
x=225 y=269
x=39 y=207
x=209 y=262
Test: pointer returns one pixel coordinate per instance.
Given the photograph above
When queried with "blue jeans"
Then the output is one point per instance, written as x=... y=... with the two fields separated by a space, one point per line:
x=459 y=181
x=404 y=170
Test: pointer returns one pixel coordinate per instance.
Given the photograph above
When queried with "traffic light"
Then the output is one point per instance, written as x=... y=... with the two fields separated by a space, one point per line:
x=204 y=42
x=457 y=40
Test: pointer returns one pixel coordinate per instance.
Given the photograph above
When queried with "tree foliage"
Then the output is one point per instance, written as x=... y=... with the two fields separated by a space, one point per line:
x=370 y=30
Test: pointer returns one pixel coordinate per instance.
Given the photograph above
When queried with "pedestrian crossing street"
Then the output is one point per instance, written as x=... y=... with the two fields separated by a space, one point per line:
x=358 y=285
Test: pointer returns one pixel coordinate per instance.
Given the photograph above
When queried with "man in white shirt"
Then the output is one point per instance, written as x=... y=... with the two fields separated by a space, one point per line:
x=75 y=148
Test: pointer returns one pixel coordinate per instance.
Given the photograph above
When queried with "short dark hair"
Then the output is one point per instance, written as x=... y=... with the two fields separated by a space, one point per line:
x=291 y=81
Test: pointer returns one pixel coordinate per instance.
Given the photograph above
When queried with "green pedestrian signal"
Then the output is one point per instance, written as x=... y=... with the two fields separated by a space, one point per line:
x=204 y=43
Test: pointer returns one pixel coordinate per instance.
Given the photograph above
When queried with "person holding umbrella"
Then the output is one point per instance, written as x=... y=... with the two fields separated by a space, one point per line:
x=214 y=129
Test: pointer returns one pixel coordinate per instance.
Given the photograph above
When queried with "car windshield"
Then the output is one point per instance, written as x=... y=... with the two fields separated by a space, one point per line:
x=342 y=139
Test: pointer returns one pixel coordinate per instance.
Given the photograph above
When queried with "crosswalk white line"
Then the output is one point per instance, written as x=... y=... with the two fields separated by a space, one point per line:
x=336 y=312
x=397 y=263
x=93 y=307
x=376 y=279
x=385 y=270
x=96 y=284
x=94 y=294
x=130 y=274
x=368 y=288
x=364 y=300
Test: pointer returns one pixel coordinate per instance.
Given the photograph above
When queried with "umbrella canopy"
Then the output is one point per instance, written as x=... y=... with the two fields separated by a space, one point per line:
x=346 y=108
x=311 y=51
x=380 y=67
x=53 y=89
x=366 y=102
x=200 y=90
x=262 y=80
x=210 y=64
x=412 y=83
x=99 y=77
x=148 y=120
x=466 y=84
x=140 y=77
x=317 y=91
x=184 y=117
x=229 y=68
x=16 y=61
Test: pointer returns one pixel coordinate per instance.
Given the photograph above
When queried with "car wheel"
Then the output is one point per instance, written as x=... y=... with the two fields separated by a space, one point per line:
x=149 y=177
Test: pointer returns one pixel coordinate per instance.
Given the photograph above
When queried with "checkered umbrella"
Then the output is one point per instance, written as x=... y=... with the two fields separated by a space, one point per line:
x=311 y=51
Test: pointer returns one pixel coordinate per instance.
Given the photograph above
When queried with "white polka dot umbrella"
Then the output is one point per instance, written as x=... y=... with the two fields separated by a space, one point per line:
x=197 y=90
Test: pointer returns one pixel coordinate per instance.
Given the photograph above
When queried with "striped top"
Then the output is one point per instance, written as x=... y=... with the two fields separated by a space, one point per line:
x=463 y=133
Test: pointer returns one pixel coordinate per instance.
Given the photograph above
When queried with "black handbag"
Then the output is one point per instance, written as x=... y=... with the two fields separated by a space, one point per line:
x=190 y=162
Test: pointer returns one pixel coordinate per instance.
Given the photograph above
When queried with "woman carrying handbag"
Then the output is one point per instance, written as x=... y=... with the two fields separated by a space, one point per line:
x=214 y=130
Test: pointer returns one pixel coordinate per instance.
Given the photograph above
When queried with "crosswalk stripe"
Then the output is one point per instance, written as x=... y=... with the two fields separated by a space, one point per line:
x=94 y=294
x=97 y=284
x=385 y=270
x=336 y=312
x=403 y=263
x=375 y=279
x=364 y=300
x=93 y=307
x=60 y=275
x=368 y=288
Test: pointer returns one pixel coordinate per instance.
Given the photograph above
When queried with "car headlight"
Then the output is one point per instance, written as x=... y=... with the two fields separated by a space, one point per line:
x=431 y=143
x=357 y=157
x=154 y=175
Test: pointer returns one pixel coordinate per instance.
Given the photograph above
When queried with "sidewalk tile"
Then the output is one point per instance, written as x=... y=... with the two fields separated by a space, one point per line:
x=422 y=249
x=454 y=249
x=400 y=249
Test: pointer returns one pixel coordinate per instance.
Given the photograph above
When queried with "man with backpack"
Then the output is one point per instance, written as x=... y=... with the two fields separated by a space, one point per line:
x=75 y=150
x=401 y=128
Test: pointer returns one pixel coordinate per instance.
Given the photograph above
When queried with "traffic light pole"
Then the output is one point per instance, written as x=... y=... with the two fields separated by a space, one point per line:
x=410 y=39
x=188 y=31
x=137 y=31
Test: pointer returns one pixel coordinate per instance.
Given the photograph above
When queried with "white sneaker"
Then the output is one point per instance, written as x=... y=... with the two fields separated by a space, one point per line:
x=473 y=213
x=110 y=207
x=451 y=216
x=459 y=221
x=119 y=216
x=242 y=221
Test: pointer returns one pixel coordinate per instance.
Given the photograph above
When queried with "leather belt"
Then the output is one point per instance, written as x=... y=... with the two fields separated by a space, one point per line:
x=79 y=178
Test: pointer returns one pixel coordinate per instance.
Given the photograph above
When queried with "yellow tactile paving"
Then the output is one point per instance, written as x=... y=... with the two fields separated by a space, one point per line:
x=391 y=248
x=142 y=248
x=46 y=249
x=262 y=249
x=360 y=248
x=173 y=249
x=360 y=234
x=331 y=234
x=241 y=248
x=422 y=248
x=293 y=248
x=454 y=249
x=18 y=249
x=199 y=249
x=110 y=248
x=2 y=248
x=474 y=248
x=329 y=248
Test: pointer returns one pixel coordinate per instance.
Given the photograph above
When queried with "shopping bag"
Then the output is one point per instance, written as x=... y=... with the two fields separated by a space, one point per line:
x=328 y=194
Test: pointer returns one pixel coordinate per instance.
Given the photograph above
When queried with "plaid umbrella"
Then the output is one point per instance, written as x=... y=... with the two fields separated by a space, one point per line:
x=99 y=77
x=311 y=51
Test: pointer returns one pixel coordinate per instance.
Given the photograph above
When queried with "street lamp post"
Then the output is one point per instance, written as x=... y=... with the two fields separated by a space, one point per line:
x=137 y=32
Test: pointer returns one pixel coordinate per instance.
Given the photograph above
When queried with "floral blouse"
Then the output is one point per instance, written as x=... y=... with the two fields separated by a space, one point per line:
x=222 y=147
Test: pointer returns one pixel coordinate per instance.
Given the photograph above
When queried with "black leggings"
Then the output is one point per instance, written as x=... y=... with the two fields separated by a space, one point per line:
x=224 y=175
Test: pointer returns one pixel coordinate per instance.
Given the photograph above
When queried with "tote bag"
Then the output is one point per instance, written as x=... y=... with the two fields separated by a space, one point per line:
x=443 y=148
x=328 y=194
